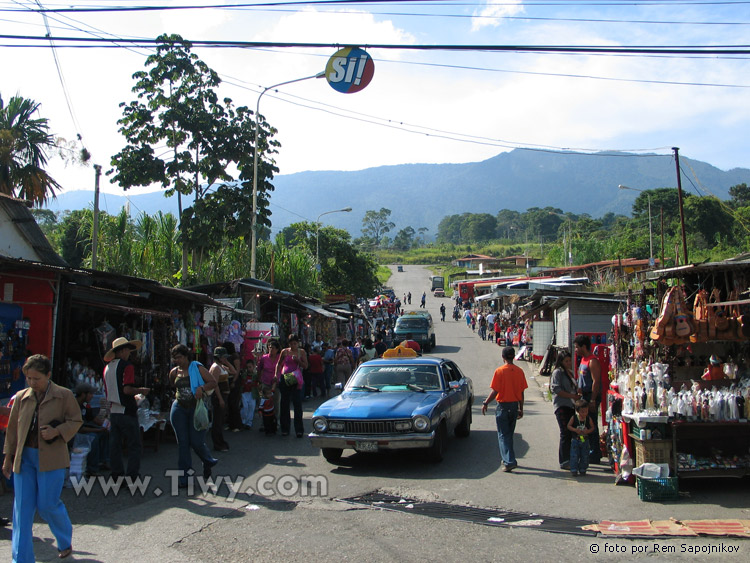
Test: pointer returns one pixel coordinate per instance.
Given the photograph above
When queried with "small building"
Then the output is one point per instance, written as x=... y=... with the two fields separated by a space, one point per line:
x=564 y=315
x=473 y=261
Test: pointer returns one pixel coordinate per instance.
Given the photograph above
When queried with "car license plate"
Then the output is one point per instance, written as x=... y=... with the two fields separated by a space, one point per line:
x=366 y=446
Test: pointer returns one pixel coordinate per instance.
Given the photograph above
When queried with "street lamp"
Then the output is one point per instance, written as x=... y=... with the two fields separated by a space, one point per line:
x=317 y=233
x=253 y=234
x=650 y=230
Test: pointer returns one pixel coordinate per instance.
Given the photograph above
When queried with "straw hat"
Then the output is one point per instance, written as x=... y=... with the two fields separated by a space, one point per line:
x=119 y=344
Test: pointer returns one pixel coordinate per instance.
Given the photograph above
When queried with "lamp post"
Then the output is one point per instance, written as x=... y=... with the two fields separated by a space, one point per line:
x=317 y=233
x=651 y=262
x=253 y=234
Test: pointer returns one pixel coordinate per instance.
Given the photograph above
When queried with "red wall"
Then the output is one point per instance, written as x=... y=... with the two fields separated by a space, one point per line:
x=37 y=290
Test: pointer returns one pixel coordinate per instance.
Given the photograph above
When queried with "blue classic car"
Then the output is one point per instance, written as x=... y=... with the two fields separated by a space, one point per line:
x=397 y=403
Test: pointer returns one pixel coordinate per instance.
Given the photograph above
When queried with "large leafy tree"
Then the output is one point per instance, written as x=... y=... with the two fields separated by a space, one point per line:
x=343 y=268
x=24 y=142
x=206 y=138
x=375 y=224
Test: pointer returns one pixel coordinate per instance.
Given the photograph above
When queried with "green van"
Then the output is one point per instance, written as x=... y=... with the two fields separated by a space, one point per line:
x=419 y=325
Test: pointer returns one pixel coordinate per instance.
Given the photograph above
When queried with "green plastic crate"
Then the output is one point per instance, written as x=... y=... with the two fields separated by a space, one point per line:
x=657 y=490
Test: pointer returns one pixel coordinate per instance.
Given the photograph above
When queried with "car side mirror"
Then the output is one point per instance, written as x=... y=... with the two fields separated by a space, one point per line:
x=338 y=386
x=454 y=385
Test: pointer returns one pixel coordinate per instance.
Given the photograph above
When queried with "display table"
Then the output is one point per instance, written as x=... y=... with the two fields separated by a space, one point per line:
x=698 y=441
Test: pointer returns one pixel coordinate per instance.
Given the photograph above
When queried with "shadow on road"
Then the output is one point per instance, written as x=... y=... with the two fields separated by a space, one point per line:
x=463 y=460
x=443 y=349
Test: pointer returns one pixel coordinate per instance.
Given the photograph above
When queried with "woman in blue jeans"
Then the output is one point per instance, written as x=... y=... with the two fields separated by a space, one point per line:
x=192 y=382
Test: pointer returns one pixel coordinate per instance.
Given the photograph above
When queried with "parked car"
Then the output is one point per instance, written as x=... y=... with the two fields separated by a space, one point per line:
x=396 y=403
x=439 y=292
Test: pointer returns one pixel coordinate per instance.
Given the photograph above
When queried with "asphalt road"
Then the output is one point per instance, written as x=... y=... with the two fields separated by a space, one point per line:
x=278 y=521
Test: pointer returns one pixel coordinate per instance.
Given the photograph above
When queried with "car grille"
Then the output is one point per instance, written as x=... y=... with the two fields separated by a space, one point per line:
x=373 y=426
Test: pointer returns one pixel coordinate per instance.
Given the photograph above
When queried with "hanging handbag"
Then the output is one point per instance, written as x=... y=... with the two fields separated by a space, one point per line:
x=200 y=416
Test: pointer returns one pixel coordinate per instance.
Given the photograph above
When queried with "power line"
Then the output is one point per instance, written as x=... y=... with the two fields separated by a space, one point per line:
x=363 y=3
x=64 y=86
x=641 y=49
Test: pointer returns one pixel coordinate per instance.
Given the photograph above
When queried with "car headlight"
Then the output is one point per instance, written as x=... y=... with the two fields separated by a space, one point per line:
x=320 y=424
x=421 y=423
x=336 y=426
x=403 y=425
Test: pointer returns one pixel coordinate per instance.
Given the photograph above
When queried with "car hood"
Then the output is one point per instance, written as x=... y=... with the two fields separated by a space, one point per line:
x=378 y=405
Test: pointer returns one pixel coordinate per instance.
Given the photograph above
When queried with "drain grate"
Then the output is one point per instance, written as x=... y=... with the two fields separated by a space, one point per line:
x=485 y=516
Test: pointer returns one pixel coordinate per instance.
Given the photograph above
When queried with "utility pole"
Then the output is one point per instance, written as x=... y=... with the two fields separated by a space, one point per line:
x=95 y=229
x=661 y=213
x=679 y=200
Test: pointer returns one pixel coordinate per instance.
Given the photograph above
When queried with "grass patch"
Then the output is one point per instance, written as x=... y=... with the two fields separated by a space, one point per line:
x=384 y=274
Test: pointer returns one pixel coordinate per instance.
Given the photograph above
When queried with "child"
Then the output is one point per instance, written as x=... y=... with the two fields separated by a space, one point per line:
x=267 y=411
x=249 y=395
x=581 y=426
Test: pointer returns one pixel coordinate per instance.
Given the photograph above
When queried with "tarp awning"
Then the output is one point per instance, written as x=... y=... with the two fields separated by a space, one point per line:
x=324 y=312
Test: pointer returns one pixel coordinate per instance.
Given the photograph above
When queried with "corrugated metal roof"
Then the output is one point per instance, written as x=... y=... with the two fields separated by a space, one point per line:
x=26 y=225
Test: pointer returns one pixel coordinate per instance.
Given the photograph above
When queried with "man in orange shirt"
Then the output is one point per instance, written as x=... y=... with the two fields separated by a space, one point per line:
x=508 y=384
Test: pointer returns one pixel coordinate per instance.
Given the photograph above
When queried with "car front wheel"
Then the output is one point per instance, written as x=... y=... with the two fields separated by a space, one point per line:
x=437 y=451
x=332 y=455
x=464 y=427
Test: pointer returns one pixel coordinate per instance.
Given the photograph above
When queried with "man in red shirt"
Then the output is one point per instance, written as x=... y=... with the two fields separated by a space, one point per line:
x=508 y=384
x=413 y=344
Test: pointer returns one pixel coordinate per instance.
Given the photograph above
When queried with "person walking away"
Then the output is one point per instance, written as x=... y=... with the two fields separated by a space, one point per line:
x=442 y=312
x=565 y=392
x=380 y=346
x=424 y=300
x=317 y=376
x=292 y=361
x=589 y=382
x=473 y=323
x=220 y=370
x=507 y=387
x=343 y=362
x=120 y=389
x=408 y=295
x=250 y=395
x=43 y=419
x=580 y=427
x=491 y=327
x=482 y=327
x=192 y=382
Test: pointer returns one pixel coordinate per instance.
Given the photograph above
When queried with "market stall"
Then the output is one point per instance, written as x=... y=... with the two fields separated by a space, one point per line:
x=680 y=390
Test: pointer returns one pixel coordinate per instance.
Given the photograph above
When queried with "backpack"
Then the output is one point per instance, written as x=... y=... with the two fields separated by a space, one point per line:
x=342 y=357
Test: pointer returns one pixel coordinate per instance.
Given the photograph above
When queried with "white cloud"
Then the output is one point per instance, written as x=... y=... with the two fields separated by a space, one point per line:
x=492 y=13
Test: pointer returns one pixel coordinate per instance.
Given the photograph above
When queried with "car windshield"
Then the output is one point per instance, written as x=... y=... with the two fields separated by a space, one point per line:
x=396 y=377
x=412 y=323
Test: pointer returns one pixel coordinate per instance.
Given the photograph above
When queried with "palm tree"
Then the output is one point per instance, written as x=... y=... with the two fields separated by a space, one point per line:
x=23 y=144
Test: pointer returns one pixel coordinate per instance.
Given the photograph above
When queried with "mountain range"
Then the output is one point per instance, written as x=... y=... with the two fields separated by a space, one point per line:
x=420 y=195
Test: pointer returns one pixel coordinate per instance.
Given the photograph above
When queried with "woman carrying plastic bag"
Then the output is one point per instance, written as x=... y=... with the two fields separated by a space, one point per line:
x=189 y=415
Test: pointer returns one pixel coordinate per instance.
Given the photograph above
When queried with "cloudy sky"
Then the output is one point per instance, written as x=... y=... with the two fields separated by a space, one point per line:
x=421 y=106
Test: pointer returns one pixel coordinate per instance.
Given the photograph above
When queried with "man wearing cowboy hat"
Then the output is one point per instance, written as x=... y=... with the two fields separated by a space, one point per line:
x=120 y=389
